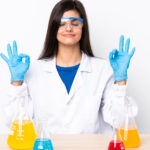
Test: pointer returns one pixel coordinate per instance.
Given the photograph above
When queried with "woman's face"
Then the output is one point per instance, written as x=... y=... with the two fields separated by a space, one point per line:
x=68 y=34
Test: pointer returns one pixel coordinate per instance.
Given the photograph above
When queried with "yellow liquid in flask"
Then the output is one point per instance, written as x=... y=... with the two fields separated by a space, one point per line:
x=22 y=135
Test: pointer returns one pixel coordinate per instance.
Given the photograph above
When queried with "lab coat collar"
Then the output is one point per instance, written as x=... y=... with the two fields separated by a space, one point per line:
x=85 y=66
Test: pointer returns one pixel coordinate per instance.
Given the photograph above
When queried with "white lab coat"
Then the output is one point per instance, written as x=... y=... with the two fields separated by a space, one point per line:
x=92 y=105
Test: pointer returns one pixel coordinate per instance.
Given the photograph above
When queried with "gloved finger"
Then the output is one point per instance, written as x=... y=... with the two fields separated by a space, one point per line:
x=110 y=56
x=4 y=57
x=121 y=43
x=113 y=54
x=127 y=45
x=27 y=58
x=132 y=52
x=15 y=52
x=9 y=51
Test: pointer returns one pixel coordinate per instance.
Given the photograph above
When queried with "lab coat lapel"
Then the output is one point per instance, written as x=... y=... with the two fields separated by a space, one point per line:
x=50 y=66
x=84 y=67
x=77 y=83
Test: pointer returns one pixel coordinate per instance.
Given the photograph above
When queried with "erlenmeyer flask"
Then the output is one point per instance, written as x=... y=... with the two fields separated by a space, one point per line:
x=43 y=142
x=22 y=133
x=128 y=130
x=116 y=143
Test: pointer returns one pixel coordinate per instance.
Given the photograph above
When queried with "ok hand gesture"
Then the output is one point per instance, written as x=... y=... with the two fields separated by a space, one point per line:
x=17 y=67
x=120 y=60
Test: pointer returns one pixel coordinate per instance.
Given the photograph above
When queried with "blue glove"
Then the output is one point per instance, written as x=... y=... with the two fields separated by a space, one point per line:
x=17 y=67
x=120 y=60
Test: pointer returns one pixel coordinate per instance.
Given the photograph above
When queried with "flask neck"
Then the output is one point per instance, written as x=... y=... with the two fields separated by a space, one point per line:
x=43 y=131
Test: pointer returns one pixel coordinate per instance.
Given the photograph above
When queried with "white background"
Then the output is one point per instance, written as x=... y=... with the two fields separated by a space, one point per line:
x=26 y=22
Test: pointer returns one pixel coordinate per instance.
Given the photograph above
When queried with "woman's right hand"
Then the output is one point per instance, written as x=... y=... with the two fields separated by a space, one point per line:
x=17 y=67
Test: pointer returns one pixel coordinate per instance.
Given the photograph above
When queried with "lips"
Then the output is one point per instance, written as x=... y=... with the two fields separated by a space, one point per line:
x=68 y=35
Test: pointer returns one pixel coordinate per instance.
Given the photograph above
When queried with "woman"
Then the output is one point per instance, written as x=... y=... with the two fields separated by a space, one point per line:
x=76 y=91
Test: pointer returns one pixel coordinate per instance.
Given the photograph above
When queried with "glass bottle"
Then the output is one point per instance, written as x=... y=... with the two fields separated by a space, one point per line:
x=22 y=133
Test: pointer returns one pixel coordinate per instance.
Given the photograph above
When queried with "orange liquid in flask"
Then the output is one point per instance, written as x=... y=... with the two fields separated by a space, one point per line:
x=130 y=137
x=22 y=135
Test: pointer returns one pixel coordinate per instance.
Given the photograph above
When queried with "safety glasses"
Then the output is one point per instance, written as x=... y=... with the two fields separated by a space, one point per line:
x=73 y=22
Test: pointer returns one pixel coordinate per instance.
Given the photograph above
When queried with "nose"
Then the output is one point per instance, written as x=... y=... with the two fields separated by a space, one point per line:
x=68 y=27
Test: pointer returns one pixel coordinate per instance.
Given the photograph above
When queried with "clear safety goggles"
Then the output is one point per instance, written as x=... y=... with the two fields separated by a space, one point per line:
x=73 y=22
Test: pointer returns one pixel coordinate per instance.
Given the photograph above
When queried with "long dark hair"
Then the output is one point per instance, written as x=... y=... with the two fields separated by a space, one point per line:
x=50 y=48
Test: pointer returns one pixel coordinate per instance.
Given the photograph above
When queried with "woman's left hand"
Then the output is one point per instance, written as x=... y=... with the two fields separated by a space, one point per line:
x=120 y=60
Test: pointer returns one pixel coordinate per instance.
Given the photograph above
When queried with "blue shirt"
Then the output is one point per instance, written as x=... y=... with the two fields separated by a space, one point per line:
x=67 y=75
